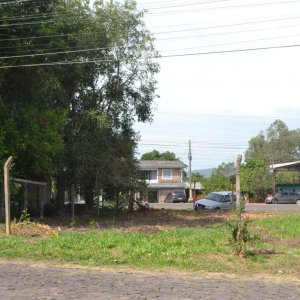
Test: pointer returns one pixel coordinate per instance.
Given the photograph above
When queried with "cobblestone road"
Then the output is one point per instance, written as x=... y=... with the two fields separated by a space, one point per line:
x=23 y=281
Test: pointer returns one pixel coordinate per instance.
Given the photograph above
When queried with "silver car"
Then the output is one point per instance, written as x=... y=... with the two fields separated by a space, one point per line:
x=217 y=201
x=284 y=198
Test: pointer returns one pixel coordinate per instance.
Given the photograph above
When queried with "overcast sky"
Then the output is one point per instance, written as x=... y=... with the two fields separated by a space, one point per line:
x=220 y=100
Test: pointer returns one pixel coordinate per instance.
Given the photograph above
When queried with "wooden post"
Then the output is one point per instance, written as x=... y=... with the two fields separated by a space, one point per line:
x=7 y=194
x=274 y=182
x=43 y=198
x=190 y=173
x=238 y=181
x=25 y=196
x=72 y=196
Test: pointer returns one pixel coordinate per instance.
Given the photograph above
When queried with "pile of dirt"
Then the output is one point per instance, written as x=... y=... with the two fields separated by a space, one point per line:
x=31 y=229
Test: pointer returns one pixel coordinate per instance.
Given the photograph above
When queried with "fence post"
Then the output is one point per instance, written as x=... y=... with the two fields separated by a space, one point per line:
x=238 y=181
x=6 y=168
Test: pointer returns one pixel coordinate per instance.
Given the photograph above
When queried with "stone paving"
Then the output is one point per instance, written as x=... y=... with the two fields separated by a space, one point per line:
x=44 y=282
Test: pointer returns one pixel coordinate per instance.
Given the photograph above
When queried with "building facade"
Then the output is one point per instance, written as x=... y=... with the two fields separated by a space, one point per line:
x=162 y=178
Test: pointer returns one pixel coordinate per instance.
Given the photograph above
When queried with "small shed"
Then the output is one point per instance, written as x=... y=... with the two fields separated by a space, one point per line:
x=289 y=166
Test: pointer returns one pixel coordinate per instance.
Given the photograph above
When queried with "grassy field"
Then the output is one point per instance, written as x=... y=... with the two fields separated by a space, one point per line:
x=183 y=241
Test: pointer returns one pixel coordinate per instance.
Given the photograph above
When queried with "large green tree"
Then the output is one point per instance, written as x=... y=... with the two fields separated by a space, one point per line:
x=277 y=144
x=74 y=80
x=256 y=178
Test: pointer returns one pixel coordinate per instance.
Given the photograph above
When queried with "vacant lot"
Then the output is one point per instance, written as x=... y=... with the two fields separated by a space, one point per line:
x=162 y=240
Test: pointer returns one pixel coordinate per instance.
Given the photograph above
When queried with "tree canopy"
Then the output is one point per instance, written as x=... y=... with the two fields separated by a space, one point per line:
x=156 y=155
x=73 y=81
x=277 y=144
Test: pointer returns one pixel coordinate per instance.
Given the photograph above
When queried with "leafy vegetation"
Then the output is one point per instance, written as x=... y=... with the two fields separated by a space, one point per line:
x=156 y=155
x=71 y=90
x=277 y=144
x=240 y=235
x=274 y=242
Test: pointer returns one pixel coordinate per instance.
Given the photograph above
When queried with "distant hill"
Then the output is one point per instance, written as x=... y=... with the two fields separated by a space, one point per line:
x=204 y=172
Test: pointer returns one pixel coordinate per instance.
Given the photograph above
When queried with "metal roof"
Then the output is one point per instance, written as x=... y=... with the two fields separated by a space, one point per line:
x=160 y=164
x=289 y=166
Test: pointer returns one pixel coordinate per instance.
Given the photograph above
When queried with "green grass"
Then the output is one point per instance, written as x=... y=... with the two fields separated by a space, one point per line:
x=188 y=249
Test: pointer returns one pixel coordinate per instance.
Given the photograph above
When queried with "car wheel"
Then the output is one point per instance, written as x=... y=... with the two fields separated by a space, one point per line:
x=274 y=201
x=217 y=208
x=298 y=201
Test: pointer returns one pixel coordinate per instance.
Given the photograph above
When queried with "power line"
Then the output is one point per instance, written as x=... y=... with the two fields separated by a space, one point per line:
x=163 y=56
x=232 y=43
x=221 y=7
x=144 y=5
x=54 y=53
x=155 y=33
x=225 y=33
x=186 y=4
x=76 y=18
x=229 y=25
x=230 y=51
x=34 y=16
x=51 y=36
x=87 y=34
x=74 y=50
x=58 y=63
x=226 y=116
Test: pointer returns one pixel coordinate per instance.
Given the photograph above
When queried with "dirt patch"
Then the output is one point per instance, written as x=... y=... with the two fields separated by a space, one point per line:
x=293 y=243
x=145 y=222
x=144 y=229
x=264 y=252
x=32 y=229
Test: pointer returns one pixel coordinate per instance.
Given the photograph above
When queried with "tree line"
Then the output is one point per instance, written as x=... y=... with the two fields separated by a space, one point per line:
x=277 y=144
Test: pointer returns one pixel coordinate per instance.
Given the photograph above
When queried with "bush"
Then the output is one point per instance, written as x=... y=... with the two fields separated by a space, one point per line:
x=239 y=233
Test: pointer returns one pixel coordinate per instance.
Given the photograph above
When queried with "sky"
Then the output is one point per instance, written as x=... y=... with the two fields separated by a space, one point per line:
x=218 y=85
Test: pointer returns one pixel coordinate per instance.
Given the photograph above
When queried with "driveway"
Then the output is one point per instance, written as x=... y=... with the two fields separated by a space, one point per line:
x=43 y=282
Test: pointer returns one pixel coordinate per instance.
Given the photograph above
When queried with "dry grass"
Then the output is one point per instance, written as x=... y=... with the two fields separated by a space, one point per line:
x=32 y=229
x=145 y=222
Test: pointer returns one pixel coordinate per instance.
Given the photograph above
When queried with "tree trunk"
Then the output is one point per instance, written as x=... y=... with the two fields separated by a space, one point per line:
x=88 y=193
x=60 y=198
x=131 y=201
x=117 y=202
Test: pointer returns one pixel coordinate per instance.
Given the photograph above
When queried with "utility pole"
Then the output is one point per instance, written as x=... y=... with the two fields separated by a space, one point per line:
x=6 y=168
x=190 y=172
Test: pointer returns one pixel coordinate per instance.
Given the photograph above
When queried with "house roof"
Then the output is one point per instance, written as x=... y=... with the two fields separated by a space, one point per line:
x=289 y=166
x=158 y=164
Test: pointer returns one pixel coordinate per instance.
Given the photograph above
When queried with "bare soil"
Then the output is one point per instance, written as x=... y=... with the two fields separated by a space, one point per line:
x=146 y=222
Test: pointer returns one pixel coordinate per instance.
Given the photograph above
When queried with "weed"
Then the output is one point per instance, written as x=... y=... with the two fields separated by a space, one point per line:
x=92 y=224
x=25 y=218
x=73 y=223
x=239 y=233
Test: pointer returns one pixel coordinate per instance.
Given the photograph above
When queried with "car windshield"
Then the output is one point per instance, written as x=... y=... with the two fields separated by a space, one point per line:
x=178 y=194
x=215 y=197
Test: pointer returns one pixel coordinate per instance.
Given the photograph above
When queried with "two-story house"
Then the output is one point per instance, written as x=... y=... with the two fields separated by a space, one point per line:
x=162 y=178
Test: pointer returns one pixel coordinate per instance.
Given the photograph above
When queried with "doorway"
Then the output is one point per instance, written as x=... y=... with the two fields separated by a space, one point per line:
x=152 y=196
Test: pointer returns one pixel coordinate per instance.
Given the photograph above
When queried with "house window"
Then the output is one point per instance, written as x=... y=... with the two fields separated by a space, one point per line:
x=150 y=175
x=167 y=174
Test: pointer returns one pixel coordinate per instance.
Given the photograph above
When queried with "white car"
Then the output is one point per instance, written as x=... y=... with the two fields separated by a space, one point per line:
x=217 y=201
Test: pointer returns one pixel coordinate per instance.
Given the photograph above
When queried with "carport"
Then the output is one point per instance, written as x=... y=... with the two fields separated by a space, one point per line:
x=289 y=166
